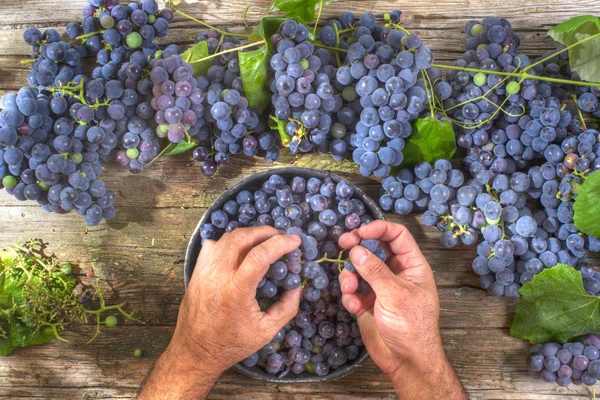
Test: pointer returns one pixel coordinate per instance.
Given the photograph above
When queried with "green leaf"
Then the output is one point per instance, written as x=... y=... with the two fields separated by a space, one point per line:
x=583 y=58
x=254 y=70
x=20 y=335
x=430 y=140
x=198 y=52
x=181 y=147
x=303 y=10
x=587 y=206
x=278 y=125
x=265 y=29
x=554 y=307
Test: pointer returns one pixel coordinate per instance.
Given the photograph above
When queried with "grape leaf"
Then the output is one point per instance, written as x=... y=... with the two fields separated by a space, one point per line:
x=180 y=147
x=198 y=52
x=254 y=70
x=265 y=29
x=554 y=307
x=587 y=207
x=583 y=58
x=20 y=335
x=16 y=333
x=302 y=10
x=278 y=125
x=430 y=141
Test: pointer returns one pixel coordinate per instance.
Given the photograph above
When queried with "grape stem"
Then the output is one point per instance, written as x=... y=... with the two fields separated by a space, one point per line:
x=521 y=75
x=337 y=45
x=29 y=61
x=163 y=151
x=560 y=51
x=318 y=17
x=322 y=46
x=244 y=18
x=222 y=32
x=84 y=38
x=581 y=119
x=228 y=51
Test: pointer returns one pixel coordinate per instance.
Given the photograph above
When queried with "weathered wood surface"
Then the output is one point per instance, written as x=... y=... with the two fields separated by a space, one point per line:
x=140 y=253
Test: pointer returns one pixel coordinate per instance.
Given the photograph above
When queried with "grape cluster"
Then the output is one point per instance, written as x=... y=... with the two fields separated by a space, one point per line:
x=572 y=362
x=55 y=62
x=323 y=336
x=111 y=30
x=44 y=158
x=391 y=95
x=304 y=94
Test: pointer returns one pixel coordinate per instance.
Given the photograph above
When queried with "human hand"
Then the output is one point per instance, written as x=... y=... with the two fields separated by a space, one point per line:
x=220 y=322
x=399 y=319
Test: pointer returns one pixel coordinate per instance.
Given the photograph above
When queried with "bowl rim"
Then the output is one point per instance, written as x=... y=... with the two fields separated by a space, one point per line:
x=194 y=246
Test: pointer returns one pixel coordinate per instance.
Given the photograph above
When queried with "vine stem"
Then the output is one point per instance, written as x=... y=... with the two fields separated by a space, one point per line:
x=25 y=62
x=159 y=154
x=322 y=46
x=521 y=75
x=89 y=35
x=559 y=52
x=244 y=18
x=229 y=51
x=318 y=17
x=222 y=32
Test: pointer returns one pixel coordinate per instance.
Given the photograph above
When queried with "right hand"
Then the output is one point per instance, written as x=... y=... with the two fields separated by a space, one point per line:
x=399 y=319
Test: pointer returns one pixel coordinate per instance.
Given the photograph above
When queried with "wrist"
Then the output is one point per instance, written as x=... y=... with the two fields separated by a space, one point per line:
x=427 y=376
x=179 y=358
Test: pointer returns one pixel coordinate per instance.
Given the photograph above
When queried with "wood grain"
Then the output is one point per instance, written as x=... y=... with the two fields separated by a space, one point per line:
x=140 y=253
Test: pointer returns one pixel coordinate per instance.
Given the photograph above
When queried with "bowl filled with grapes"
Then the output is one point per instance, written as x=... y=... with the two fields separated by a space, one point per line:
x=322 y=342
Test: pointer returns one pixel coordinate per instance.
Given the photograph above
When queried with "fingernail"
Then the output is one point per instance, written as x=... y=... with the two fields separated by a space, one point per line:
x=358 y=255
x=352 y=306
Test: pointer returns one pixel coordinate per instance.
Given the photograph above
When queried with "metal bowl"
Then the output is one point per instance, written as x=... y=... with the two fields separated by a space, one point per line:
x=255 y=182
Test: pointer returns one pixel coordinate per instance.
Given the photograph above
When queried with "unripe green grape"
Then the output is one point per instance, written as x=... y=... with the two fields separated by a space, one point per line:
x=304 y=63
x=9 y=181
x=151 y=19
x=110 y=321
x=133 y=153
x=66 y=268
x=476 y=29
x=44 y=186
x=480 y=79
x=138 y=353
x=134 y=40
x=77 y=158
x=513 y=87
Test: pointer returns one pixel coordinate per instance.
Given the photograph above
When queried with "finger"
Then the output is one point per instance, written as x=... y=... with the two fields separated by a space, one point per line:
x=400 y=240
x=349 y=239
x=245 y=239
x=259 y=259
x=348 y=282
x=373 y=270
x=281 y=312
x=358 y=303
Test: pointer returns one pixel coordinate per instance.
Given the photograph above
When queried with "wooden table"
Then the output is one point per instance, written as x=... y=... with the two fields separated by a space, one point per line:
x=140 y=253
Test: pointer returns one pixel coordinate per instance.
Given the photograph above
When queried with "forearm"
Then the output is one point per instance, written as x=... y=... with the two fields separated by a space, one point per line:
x=176 y=378
x=436 y=381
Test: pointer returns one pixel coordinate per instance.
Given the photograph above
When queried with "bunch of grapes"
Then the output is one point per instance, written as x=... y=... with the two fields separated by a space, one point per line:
x=55 y=62
x=45 y=159
x=304 y=94
x=385 y=71
x=572 y=362
x=323 y=336
x=111 y=31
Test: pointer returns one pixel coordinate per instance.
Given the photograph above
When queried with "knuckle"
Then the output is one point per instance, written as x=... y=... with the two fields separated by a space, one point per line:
x=375 y=267
x=258 y=255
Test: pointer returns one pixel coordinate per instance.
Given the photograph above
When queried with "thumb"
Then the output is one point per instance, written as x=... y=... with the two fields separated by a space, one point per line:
x=282 y=311
x=373 y=270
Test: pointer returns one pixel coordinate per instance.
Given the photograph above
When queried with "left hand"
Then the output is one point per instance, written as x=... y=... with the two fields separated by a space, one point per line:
x=220 y=321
